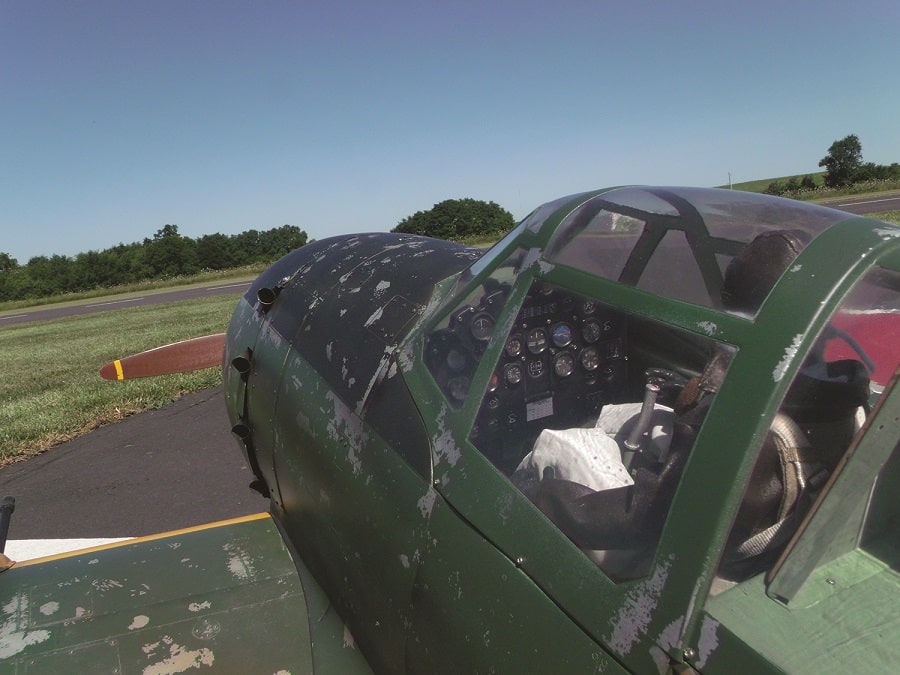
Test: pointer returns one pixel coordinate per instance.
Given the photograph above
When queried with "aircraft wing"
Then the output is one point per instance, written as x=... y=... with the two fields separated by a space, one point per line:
x=226 y=597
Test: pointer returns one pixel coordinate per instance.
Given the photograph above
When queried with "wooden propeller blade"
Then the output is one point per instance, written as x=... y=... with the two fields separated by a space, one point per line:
x=178 y=357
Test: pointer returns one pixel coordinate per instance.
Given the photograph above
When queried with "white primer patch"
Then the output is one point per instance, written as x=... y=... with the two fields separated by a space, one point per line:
x=708 y=327
x=376 y=315
x=49 y=608
x=445 y=449
x=197 y=606
x=179 y=659
x=709 y=640
x=634 y=616
x=139 y=622
x=789 y=354
x=103 y=585
x=239 y=563
x=426 y=503
x=13 y=641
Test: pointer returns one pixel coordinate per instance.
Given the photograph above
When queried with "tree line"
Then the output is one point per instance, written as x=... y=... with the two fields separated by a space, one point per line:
x=167 y=254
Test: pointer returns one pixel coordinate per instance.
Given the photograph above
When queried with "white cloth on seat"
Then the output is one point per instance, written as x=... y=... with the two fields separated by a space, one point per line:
x=593 y=457
x=585 y=456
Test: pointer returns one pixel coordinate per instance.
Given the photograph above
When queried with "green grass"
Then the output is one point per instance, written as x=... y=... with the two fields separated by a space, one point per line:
x=761 y=185
x=889 y=216
x=51 y=390
x=138 y=288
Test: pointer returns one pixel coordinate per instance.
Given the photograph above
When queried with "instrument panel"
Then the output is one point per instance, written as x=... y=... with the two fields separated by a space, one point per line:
x=564 y=357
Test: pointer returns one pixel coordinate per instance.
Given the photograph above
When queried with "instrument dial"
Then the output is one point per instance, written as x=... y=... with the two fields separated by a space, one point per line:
x=564 y=364
x=535 y=368
x=591 y=331
x=562 y=335
x=536 y=340
x=590 y=359
x=456 y=360
x=513 y=374
x=482 y=326
x=459 y=387
x=514 y=346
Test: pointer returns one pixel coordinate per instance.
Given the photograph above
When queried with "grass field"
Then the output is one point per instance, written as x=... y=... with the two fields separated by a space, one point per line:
x=51 y=390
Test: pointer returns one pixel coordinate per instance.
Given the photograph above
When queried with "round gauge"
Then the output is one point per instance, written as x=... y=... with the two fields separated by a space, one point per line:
x=564 y=364
x=514 y=346
x=459 y=387
x=588 y=307
x=562 y=335
x=456 y=360
x=590 y=358
x=536 y=340
x=482 y=326
x=535 y=368
x=591 y=331
x=513 y=374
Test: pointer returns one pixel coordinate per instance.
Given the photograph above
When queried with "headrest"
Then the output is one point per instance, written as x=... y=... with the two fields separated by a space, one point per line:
x=753 y=272
x=827 y=391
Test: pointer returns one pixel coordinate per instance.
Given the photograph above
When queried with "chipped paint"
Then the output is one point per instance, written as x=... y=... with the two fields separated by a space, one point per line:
x=349 y=642
x=888 y=234
x=14 y=633
x=789 y=354
x=197 y=606
x=240 y=564
x=179 y=658
x=139 y=622
x=708 y=327
x=104 y=585
x=708 y=641
x=667 y=641
x=49 y=608
x=375 y=316
x=426 y=503
x=445 y=448
x=633 y=618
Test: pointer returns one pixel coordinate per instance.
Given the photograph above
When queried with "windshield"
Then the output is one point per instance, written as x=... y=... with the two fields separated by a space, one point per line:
x=677 y=243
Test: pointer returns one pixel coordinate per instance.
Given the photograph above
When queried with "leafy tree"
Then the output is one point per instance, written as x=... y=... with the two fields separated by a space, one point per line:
x=216 y=252
x=169 y=254
x=7 y=262
x=808 y=183
x=776 y=188
x=842 y=161
x=458 y=219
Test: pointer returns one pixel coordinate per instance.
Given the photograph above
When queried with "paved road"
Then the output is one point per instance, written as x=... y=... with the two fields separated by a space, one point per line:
x=57 y=312
x=866 y=205
x=160 y=470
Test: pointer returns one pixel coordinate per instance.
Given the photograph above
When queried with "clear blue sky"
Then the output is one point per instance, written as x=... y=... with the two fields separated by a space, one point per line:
x=117 y=118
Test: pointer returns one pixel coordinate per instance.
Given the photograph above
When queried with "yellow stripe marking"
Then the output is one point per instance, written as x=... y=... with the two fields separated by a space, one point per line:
x=119 y=374
x=137 y=540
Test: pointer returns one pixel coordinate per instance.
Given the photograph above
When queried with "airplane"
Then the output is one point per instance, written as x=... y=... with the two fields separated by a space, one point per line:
x=651 y=430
